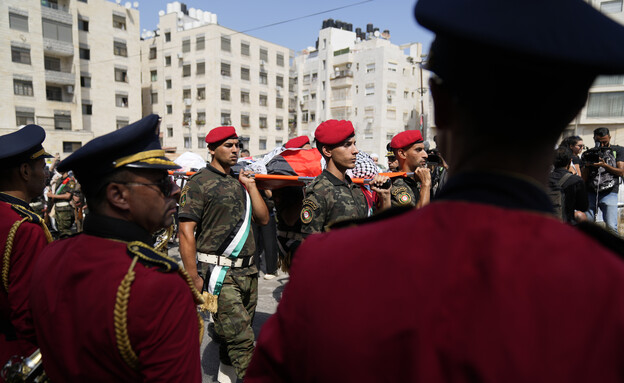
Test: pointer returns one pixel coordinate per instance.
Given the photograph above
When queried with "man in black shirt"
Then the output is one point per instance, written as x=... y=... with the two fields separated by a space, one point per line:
x=574 y=194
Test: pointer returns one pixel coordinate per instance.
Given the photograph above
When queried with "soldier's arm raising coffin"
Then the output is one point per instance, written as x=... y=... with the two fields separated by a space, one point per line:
x=260 y=212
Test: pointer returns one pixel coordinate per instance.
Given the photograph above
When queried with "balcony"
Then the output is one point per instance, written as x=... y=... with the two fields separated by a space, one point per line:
x=60 y=78
x=342 y=103
x=58 y=48
x=56 y=12
x=341 y=79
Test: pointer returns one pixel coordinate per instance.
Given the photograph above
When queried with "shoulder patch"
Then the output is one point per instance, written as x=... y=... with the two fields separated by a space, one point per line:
x=32 y=216
x=149 y=257
x=404 y=198
x=399 y=189
x=311 y=204
x=183 y=195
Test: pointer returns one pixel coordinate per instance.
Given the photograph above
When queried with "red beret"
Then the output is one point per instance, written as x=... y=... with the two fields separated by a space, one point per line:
x=297 y=142
x=333 y=132
x=406 y=138
x=221 y=133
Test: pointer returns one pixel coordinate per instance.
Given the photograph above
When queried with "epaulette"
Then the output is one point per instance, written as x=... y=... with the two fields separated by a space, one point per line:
x=386 y=214
x=25 y=213
x=149 y=257
x=606 y=238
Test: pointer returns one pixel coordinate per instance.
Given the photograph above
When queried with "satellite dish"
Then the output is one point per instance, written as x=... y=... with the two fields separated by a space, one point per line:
x=128 y=5
x=376 y=33
x=118 y=1
x=136 y=4
x=161 y=13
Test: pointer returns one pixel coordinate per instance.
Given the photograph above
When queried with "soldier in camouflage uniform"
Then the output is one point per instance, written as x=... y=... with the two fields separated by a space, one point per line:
x=410 y=151
x=332 y=196
x=212 y=204
x=64 y=212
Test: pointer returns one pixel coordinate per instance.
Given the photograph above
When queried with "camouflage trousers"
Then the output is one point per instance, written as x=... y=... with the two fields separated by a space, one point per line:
x=64 y=221
x=233 y=320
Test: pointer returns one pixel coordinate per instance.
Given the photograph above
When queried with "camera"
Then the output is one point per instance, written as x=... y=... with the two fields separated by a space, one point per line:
x=593 y=155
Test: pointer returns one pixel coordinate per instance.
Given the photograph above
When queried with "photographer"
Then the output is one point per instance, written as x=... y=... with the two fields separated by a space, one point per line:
x=604 y=166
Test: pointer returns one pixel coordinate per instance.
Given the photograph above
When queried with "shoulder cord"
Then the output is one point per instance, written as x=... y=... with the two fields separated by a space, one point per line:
x=8 y=248
x=121 y=314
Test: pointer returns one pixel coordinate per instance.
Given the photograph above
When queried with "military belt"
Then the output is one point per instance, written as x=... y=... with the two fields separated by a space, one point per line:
x=221 y=260
x=62 y=204
x=36 y=205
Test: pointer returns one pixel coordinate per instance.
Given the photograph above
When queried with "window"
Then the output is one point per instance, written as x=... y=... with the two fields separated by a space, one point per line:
x=22 y=87
x=186 y=118
x=225 y=94
x=121 y=100
x=119 y=49
x=84 y=53
x=201 y=68
x=167 y=37
x=263 y=100
x=83 y=25
x=225 y=70
x=312 y=116
x=391 y=114
x=20 y=55
x=85 y=81
x=87 y=109
x=279 y=142
x=225 y=118
x=279 y=123
x=201 y=118
x=168 y=83
x=369 y=111
x=226 y=44
x=186 y=45
x=200 y=43
x=264 y=55
x=279 y=103
x=24 y=118
x=245 y=74
x=279 y=59
x=56 y=31
x=120 y=123
x=244 y=49
x=186 y=70
x=314 y=77
x=245 y=97
x=167 y=60
x=62 y=122
x=121 y=75
x=262 y=144
x=370 y=68
x=18 y=22
x=119 y=22
x=169 y=110
x=263 y=122
x=54 y=93
x=392 y=67
x=152 y=53
x=370 y=89
x=614 y=6
x=201 y=93
x=279 y=81
x=154 y=97
x=304 y=116
x=306 y=79
x=169 y=131
x=313 y=96
x=52 y=63
x=187 y=142
x=186 y=94
x=264 y=79
x=605 y=104
x=245 y=120
x=201 y=142
x=71 y=146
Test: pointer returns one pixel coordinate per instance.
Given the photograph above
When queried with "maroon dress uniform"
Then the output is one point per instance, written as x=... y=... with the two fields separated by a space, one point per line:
x=493 y=290
x=76 y=281
x=17 y=332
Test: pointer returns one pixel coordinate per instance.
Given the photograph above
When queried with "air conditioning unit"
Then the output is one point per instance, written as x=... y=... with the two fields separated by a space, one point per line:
x=187 y=101
x=200 y=97
x=180 y=55
x=70 y=89
x=262 y=63
x=348 y=65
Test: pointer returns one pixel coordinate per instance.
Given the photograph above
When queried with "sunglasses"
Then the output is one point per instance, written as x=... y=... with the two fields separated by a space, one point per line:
x=165 y=185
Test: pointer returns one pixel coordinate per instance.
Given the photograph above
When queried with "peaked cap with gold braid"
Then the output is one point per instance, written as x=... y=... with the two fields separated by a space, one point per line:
x=134 y=146
x=22 y=145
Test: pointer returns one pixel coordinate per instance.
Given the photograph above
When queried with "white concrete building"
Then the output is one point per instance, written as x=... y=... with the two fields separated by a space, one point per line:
x=364 y=78
x=73 y=66
x=199 y=75
x=605 y=105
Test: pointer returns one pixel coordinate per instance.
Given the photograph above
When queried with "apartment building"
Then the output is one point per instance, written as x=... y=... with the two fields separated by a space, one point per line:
x=362 y=77
x=605 y=105
x=199 y=75
x=74 y=68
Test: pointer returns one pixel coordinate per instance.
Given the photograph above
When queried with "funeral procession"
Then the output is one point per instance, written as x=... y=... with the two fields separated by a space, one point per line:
x=429 y=191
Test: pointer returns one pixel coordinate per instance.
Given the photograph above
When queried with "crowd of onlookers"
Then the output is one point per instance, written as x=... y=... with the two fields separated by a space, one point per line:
x=585 y=181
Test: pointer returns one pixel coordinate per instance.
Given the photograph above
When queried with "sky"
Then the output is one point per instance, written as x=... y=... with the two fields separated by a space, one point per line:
x=295 y=23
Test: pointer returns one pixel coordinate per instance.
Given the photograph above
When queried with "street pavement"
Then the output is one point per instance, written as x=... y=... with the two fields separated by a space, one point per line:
x=269 y=294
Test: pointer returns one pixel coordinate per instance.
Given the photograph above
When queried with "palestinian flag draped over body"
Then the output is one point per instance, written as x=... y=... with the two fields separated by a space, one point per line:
x=296 y=165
